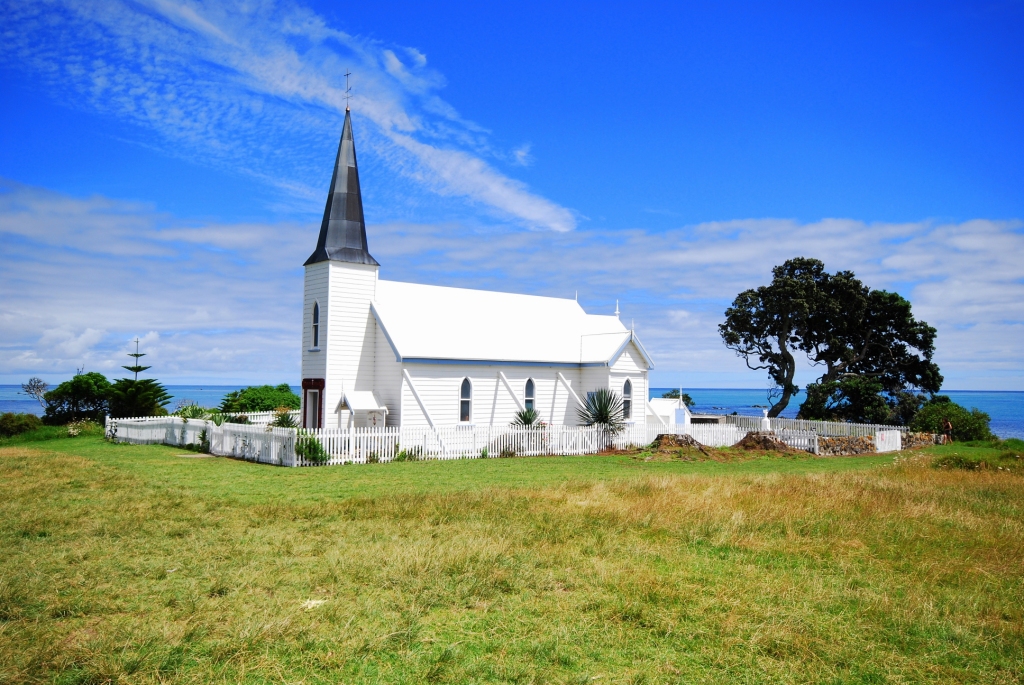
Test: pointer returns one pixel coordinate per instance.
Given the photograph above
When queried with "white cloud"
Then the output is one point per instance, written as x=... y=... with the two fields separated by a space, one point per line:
x=252 y=88
x=522 y=154
x=963 y=278
x=81 y=277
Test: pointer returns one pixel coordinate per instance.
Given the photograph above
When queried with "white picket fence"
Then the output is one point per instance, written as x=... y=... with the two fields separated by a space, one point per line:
x=829 y=429
x=267 y=445
x=253 y=443
x=262 y=418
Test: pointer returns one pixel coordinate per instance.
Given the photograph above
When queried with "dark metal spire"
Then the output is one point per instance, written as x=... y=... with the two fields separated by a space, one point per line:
x=343 y=231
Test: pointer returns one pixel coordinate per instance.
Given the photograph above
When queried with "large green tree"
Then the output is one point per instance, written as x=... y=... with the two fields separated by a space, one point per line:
x=260 y=398
x=82 y=397
x=130 y=397
x=872 y=349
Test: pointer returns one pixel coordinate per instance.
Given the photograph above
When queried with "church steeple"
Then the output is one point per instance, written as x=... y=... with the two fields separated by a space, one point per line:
x=343 y=231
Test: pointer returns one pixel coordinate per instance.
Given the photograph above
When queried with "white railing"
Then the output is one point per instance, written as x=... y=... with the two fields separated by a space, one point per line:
x=831 y=429
x=262 y=418
x=800 y=440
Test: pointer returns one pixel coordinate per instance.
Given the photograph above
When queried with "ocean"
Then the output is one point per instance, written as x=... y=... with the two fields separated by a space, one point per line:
x=12 y=399
x=1005 y=408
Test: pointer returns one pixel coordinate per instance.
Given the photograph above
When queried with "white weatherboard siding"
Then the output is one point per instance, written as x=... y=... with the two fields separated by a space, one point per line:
x=438 y=386
x=350 y=336
x=314 y=364
x=388 y=377
x=373 y=332
x=630 y=365
x=558 y=404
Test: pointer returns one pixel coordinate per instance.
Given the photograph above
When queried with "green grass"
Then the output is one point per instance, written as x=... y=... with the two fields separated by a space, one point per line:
x=135 y=564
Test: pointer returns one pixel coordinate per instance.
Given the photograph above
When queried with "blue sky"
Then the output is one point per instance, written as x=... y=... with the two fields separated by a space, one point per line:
x=163 y=168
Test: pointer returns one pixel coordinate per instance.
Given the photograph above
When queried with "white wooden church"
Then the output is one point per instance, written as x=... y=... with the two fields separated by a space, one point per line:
x=378 y=352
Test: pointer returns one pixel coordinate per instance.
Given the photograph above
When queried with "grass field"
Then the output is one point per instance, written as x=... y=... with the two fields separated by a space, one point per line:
x=141 y=564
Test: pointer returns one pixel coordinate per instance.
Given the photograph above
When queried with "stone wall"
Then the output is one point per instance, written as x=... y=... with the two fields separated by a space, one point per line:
x=915 y=440
x=835 y=447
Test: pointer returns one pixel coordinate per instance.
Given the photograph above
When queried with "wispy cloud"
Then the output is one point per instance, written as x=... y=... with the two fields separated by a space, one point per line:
x=963 y=278
x=258 y=88
x=83 y=276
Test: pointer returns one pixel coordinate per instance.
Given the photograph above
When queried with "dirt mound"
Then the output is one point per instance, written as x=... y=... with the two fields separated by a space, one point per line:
x=766 y=442
x=668 y=441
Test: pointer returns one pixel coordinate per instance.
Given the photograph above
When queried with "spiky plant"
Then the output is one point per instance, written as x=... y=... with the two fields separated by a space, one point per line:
x=602 y=408
x=284 y=419
x=526 y=417
x=191 y=410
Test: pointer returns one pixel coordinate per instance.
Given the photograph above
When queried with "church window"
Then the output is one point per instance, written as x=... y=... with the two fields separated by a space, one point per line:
x=529 y=394
x=627 y=399
x=316 y=324
x=465 y=399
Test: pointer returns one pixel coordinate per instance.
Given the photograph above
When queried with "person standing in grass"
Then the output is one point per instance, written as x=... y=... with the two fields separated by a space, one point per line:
x=947 y=431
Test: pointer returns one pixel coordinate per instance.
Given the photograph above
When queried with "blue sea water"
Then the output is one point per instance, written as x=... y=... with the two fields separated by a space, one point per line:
x=1005 y=408
x=12 y=399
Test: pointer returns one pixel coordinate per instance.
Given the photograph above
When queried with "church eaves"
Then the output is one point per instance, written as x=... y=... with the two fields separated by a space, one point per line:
x=343 y=231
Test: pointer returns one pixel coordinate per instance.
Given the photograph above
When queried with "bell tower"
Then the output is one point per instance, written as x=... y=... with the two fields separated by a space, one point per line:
x=340 y=284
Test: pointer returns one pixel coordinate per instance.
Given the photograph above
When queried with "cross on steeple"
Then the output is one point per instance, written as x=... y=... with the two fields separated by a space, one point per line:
x=348 y=89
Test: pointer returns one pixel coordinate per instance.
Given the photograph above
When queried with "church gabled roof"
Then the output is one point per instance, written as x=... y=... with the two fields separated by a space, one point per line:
x=343 y=231
x=436 y=324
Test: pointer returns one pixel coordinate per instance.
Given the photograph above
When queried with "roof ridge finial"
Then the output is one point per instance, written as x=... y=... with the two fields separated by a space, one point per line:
x=348 y=89
x=616 y=309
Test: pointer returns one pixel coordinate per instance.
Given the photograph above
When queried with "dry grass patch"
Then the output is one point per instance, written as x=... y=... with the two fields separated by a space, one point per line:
x=902 y=573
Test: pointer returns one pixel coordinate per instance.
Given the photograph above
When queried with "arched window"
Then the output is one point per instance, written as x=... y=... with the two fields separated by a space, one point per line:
x=465 y=398
x=529 y=395
x=627 y=399
x=316 y=325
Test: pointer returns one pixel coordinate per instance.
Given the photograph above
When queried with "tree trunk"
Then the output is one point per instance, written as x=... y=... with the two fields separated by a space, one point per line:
x=788 y=389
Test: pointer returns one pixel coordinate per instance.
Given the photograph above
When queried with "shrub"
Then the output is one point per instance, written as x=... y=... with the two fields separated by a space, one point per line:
x=191 y=410
x=40 y=434
x=241 y=418
x=483 y=453
x=82 y=397
x=675 y=394
x=15 y=424
x=967 y=425
x=76 y=428
x=507 y=453
x=284 y=419
x=310 y=449
x=1007 y=461
x=956 y=461
x=260 y=398
x=860 y=400
x=410 y=454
